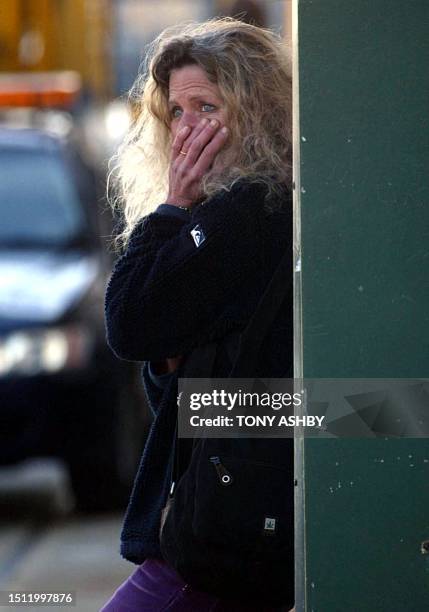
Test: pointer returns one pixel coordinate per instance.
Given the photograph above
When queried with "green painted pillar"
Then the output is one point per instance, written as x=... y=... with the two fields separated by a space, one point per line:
x=362 y=296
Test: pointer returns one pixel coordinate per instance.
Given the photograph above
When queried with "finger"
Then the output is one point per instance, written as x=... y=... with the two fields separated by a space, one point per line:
x=182 y=143
x=185 y=137
x=201 y=141
x=182 y=159
x=210 y=151
x=178 y=141
x=194 y=134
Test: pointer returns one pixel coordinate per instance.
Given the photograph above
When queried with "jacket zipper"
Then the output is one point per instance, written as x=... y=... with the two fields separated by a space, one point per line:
x=224 y=476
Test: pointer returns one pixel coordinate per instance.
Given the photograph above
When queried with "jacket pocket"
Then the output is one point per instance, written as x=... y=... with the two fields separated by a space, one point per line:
x=247 y=505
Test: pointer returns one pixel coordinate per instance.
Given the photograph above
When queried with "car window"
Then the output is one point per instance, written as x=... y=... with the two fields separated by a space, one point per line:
x=38 y=199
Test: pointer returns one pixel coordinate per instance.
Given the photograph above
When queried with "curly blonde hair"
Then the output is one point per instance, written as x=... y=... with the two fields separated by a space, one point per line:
x=251 y=67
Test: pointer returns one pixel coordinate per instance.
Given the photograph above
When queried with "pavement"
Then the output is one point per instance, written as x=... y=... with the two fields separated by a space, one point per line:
x=46 y=547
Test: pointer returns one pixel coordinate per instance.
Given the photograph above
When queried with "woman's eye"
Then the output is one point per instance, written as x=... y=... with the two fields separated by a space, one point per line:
x=208 y=108
x=175 y=112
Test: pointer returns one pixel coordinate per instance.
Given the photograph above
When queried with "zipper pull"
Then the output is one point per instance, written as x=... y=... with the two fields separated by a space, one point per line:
x=173 y=484
x=224 y=476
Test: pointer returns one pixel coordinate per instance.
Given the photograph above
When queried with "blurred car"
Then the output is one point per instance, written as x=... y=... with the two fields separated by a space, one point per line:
x=62 y=392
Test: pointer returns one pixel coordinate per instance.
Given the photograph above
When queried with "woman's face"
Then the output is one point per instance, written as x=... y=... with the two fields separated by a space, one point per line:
x=193 y=97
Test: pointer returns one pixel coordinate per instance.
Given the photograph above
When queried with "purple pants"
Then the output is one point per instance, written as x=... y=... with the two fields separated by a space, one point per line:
x=157 y=587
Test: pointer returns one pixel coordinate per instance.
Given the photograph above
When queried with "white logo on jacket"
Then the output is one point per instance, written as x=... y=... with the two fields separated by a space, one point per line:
x=198 y=235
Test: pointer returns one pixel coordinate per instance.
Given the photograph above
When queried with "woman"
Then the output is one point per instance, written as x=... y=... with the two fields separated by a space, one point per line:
x=205 y=186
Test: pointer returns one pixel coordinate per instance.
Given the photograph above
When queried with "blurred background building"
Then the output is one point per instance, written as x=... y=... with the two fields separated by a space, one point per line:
x=104 y=40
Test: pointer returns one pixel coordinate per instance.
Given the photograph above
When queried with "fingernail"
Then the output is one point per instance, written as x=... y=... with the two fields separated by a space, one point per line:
x=204 y=121
x=184 y=129
x=224 y=130
x=213 y=123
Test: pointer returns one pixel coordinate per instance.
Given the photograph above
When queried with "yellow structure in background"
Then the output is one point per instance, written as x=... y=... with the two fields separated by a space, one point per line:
x=41 y=35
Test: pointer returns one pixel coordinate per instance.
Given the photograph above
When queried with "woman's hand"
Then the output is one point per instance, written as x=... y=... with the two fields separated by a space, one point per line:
x=170 y=364
x=173 y=363
x=193 y=153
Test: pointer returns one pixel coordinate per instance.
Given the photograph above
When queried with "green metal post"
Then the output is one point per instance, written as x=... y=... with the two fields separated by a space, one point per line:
x=362 y=297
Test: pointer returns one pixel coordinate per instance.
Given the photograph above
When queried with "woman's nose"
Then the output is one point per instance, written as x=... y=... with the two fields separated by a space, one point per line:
x=189 y=118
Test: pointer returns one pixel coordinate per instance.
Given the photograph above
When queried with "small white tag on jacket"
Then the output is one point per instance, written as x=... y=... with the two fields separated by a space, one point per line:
x=269 y=524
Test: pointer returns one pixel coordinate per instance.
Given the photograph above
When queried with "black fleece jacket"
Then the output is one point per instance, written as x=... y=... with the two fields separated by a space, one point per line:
x=186 y=279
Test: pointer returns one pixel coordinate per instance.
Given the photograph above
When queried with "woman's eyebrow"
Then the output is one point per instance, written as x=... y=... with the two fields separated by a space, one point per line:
x=196 y=98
